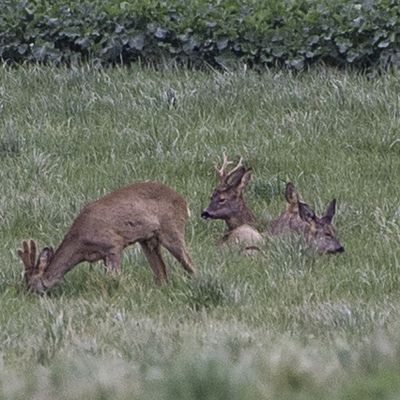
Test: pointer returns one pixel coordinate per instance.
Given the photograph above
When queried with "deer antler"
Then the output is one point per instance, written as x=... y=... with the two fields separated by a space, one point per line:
x=28 y=257
x=222 y=172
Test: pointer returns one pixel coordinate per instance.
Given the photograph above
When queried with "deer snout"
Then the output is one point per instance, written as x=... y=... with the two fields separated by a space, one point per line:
x=337 y=250
x=36 y=285
x=205 y=214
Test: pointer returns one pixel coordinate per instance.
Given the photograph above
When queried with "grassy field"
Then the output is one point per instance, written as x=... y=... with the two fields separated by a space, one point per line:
x=285 y=325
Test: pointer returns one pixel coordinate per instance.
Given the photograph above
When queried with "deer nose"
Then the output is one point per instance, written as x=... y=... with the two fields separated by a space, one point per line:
x=337 y=250
x=205 y=214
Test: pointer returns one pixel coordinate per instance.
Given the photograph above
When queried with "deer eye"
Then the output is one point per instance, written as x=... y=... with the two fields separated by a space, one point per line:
x=221 y=200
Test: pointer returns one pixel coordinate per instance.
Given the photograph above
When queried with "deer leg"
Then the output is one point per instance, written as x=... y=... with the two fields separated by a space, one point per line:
x=112 y=261
x=176 y=246
x=152 y=251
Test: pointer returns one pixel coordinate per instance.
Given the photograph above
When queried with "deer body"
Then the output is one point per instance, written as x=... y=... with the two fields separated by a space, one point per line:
x=227 y=203
x=150 y=213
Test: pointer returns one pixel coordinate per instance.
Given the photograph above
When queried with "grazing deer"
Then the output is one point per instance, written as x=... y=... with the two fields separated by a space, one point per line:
x=227 y=203
x=299 y=217
x=150 y=213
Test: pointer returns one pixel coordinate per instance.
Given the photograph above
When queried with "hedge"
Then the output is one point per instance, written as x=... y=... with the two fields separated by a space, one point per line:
x=291 y=33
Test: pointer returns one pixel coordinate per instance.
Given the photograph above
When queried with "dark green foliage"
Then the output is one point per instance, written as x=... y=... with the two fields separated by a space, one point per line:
x=292 y=34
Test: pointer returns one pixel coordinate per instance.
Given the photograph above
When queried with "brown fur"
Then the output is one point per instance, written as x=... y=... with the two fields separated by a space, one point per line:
x=319 y=231
x=289 y=220
x=227 y=203
x=300 y=218
x=150 y=213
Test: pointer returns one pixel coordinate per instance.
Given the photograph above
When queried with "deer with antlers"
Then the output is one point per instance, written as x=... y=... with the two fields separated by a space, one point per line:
x=227 y=203
x=149 y=213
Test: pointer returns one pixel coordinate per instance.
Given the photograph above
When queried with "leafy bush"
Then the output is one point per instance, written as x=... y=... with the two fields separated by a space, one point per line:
x=292 y=33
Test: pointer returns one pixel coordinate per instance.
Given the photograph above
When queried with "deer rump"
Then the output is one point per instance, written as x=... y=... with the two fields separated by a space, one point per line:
x=150 y=213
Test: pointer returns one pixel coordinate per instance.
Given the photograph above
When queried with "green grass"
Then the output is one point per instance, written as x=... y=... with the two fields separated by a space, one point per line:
x=288 y=324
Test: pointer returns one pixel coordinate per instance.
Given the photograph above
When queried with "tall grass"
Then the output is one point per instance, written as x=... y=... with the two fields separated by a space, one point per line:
x=287 y=324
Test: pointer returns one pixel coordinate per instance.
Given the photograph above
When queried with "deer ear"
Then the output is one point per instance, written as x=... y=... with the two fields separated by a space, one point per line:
x=235 y=177
x=306 y=213
x=245 y=180
x=291 y=195
x=330 y=211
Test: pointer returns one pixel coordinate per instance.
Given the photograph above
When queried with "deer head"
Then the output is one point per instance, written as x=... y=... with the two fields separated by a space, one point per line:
x=227 y=201
x=319 y=232
x=34 y=268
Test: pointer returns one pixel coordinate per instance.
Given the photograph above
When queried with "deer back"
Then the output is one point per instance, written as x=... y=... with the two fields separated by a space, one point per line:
x=133 y=212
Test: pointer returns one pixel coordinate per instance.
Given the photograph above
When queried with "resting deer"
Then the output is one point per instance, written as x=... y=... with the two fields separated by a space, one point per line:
x=227 y=203
x=150 y=213
x=299 y=217
x=290 y=220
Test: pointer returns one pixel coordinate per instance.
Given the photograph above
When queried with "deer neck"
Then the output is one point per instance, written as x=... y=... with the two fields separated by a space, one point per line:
x=243 y=217
x=64 y=259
